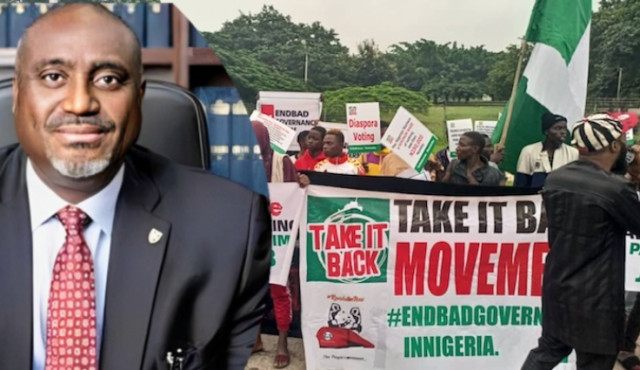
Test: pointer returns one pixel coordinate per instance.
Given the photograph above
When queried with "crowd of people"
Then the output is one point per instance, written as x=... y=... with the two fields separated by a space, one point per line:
x=472 y=162
x=589 y=205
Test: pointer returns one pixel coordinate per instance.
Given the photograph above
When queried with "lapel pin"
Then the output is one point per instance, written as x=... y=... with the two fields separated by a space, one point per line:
x=154 y=236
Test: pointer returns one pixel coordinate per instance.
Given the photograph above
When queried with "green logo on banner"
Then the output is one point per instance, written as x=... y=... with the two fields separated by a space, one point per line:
x=347 y=239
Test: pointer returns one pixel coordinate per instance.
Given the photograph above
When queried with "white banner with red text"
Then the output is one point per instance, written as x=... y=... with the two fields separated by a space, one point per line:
x=402 y=281
x=297 y=110
x=286 y=200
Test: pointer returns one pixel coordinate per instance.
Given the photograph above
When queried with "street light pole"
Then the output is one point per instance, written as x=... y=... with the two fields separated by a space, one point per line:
x=306 y=64
x=619 y=83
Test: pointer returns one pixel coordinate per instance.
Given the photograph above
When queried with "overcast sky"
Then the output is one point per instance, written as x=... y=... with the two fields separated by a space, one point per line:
x=492 y=23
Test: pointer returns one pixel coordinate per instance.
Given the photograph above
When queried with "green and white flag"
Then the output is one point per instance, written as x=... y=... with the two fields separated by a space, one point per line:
x=555 y=79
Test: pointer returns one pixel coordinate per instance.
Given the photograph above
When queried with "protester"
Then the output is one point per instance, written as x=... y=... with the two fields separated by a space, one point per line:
x=278 y=168
x=470 y=166
x=302 y=143
x=372 y=161
x=627 y=356
x=314 y=153
x=589 y=208
x=538 y=159
x=135 y=251
x=337 y=161
x=392 y=165
x=495 y=158
x=435 y=169
x=442 y=156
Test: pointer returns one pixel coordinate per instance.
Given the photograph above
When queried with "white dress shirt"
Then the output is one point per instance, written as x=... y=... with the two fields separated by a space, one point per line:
x=48 y=237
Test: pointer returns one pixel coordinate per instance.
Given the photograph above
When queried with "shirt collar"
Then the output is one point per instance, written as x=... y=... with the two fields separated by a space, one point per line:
x=319 y=157
x=338 y=160
x=483 y=159
x=44 y=202
x=542 y=150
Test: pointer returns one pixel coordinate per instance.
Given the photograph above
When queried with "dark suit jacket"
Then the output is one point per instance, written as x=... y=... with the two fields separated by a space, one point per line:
x=200 y=288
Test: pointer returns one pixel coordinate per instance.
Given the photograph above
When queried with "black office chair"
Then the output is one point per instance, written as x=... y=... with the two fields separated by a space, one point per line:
x=174 y=123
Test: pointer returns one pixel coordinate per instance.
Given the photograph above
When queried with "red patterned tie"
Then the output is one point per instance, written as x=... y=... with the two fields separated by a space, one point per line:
x=71 y=315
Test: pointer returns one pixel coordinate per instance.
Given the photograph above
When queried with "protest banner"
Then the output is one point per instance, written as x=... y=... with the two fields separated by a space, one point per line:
x=363 y=121
x=485 y=127
x=632 y=264
x=409 y=139
x=280 y=135
x=286 y=206
x=455 y=129
x=629 y=121
x=413 y=281
x=298 y=110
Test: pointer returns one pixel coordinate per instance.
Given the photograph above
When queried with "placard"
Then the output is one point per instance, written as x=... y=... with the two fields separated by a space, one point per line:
x=363 y=122
x=409 y=139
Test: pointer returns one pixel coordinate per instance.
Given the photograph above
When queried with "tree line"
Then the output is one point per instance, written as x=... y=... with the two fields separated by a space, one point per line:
x=268 y=51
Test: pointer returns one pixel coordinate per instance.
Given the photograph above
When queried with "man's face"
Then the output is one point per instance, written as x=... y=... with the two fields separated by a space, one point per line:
x=331 y=146
x=314 y=141
x=558 y=132
x=465 y=148
x=620 y=165
x=77 y=95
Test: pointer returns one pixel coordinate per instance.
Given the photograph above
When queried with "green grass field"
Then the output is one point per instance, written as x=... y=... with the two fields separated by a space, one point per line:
x=435 y=119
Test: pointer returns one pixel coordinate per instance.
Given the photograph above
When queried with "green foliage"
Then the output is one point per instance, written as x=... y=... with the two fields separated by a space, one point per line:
x=389 y=96
x=268 y=51
x=614 y=46
x=442 y=72
x=500 y=78
x=371 y=66
x=273 y=39
x=251 y=76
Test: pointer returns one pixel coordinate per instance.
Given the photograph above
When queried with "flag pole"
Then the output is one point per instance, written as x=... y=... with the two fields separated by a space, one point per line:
x=514 y=89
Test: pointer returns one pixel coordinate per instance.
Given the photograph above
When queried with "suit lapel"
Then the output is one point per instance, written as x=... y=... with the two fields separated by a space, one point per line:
x=138 y=246
x=16 y=276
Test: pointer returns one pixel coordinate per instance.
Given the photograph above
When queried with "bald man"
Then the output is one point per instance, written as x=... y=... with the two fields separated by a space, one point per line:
x=116 y=257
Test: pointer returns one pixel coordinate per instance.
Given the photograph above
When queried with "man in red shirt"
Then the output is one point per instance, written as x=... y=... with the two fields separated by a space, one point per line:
x=314 y=153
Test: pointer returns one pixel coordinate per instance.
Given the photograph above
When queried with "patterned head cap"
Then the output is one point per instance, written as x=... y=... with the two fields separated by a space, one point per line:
x=596 y=132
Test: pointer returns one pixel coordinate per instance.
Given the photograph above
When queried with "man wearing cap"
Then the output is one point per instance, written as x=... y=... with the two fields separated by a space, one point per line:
x=538 y=159
x=589 y=208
